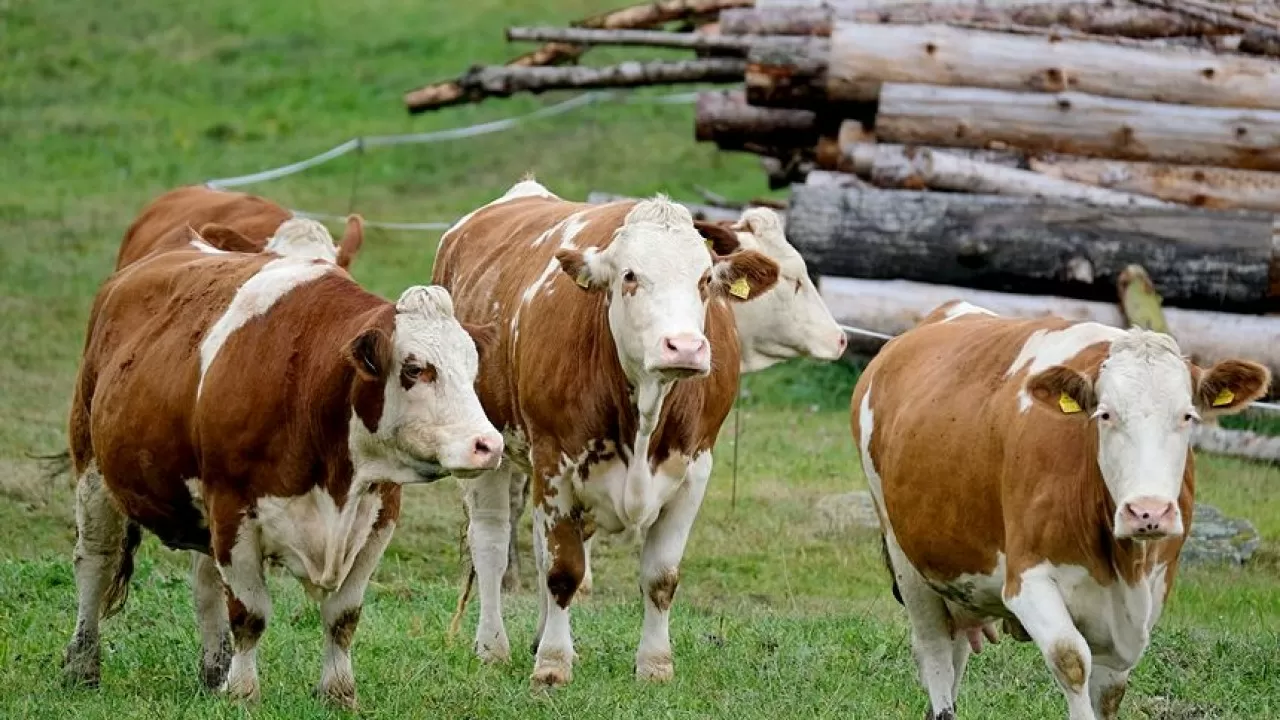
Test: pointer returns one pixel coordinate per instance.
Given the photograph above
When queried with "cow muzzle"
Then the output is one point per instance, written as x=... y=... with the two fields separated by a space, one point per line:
x=1148 y=518
x=683 y=355
x=484 y=452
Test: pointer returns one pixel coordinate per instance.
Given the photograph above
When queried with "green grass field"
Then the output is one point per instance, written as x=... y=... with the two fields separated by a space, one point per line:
x=104 y=105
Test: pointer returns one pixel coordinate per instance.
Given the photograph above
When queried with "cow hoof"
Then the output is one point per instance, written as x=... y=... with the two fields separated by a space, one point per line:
x=339 y=694
x=551 y=671
x=658 y=668
x=81 y=668
x=947 y=714
x=584 y=589
x=494 y=651
x=214 y=666
x=243 y=690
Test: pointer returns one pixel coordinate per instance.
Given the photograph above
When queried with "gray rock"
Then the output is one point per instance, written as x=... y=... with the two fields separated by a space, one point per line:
x=839 y=514
x=1218 y=539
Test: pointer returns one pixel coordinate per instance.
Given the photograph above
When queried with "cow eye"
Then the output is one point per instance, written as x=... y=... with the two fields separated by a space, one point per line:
x=628 y=276
x=1190 y=417
x=413 y=372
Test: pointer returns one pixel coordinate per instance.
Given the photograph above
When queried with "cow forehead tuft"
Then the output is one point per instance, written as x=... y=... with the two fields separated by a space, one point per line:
x=430 y=300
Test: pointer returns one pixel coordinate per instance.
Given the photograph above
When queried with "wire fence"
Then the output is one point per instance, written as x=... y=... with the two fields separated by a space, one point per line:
x=468 y=131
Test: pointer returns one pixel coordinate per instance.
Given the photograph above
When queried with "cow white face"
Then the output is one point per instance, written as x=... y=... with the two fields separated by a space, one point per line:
x=1144 y=402
x=303 y=237
x=790 y=320
x=659 y=276
x=430 y=420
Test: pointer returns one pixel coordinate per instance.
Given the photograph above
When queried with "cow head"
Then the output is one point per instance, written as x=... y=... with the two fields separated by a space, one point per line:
x=790 y=320
x=1144 y=400
x=415 y=391
x=658 y=277
x=303 y=237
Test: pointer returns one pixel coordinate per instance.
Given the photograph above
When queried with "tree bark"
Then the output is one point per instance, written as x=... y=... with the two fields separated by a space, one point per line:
x=649 y=14
x=725 y=118
x=1199 y=186
x=898 y=167
x=502 y=81
x=1079 y=124
x=864 y=56
x=895 y=306
x=1196 y=258
x=1093 y=18
x=1262 y=37
x=705 y=42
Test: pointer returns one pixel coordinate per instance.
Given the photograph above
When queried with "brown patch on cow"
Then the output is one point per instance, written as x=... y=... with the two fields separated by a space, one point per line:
x=662 y=590
x=1245 y=381
x=1069 y=665
x=414 y=371
x=344 y=628
x=1110 y=703
x=246 y=627
x=568 y=560
x=724 y=241
x=1050 y=385
x=759 y=270
x=163 y=224
x=484 y=336
x=225 y=238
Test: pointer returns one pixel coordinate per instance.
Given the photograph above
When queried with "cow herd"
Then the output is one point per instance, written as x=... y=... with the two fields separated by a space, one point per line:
x=242 y=398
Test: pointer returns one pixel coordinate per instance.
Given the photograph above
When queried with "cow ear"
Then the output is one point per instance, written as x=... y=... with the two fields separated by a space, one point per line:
x=370 y=354
x=225 y=238
x=484 y=336
x=1064 y=391
x=743 y=275
x=585 y=270
x=1229 y=386
x=352 y=239
x=720 y=239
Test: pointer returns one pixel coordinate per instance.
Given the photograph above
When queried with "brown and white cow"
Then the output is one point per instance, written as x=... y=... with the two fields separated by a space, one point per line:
x=232 y=221
x=787 y=321
x=260 y=409
x=615 y=364
x=1036 y=471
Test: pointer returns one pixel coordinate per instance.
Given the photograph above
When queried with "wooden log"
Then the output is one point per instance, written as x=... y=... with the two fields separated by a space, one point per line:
x=645 y=15
x=1262 y=35
x=865 y=56
x=1139 y=302
x=898 y=167
x=502 y=81
x=1079 y=124
x=1200 y=186
x=1236 y=443
x=895 y=306
x=1123 y=21
x=725 y=118
x=858 y=151
x=846 y=6
x=1197 y=258
x=705 y=42
x=792 y=76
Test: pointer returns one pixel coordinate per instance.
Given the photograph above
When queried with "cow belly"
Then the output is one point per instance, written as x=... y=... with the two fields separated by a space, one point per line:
x=1116 y=620
x=976 y=595
x=603 y=492
x=314 y=538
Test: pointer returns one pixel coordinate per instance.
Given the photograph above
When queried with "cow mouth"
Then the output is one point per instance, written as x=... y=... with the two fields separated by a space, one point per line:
x=428 y=471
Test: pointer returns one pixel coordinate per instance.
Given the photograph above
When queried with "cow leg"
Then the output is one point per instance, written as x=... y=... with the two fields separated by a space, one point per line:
x=211 y=618
x=935 y=650
x=1043 y=613
x=488 y=500
x=584 y=587
x=519 y=498
x=1106 y=690
x=660 y=556
x=560 y=559
x=101 y=532
x=340 y=611
x=248 y=602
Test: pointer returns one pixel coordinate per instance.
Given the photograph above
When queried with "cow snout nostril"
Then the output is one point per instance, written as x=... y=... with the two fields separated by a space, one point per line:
x=670 y=345
x=482 y=447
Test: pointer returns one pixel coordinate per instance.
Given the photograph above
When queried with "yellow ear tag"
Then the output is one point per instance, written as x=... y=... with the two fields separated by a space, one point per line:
x=709 y=245
x=1224 y=397
x=582 y=279
x=1068 y=404
x=740 y=288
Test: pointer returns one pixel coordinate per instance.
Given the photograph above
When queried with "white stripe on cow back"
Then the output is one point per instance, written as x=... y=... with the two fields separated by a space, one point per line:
x=963 y=308
x=1046 y=348
x=255 y=298
x=522 y=189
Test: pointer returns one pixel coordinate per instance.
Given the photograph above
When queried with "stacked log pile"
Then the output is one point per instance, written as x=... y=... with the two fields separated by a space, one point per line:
x=1033 y=148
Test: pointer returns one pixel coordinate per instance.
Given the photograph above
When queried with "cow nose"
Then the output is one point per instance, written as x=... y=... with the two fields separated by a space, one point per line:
x=842 y=343
x=685 y=352
x=1150 y=517
x=486 y=450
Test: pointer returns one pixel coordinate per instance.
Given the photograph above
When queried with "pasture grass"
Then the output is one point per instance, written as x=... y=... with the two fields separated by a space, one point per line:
x=104 y=105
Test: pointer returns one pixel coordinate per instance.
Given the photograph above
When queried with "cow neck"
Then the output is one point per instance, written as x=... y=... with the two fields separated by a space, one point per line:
x=648 y=399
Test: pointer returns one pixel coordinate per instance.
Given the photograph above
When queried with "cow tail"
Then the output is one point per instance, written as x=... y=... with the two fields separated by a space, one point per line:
x=888 y=563
x=456 y=622
x=118 y=591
